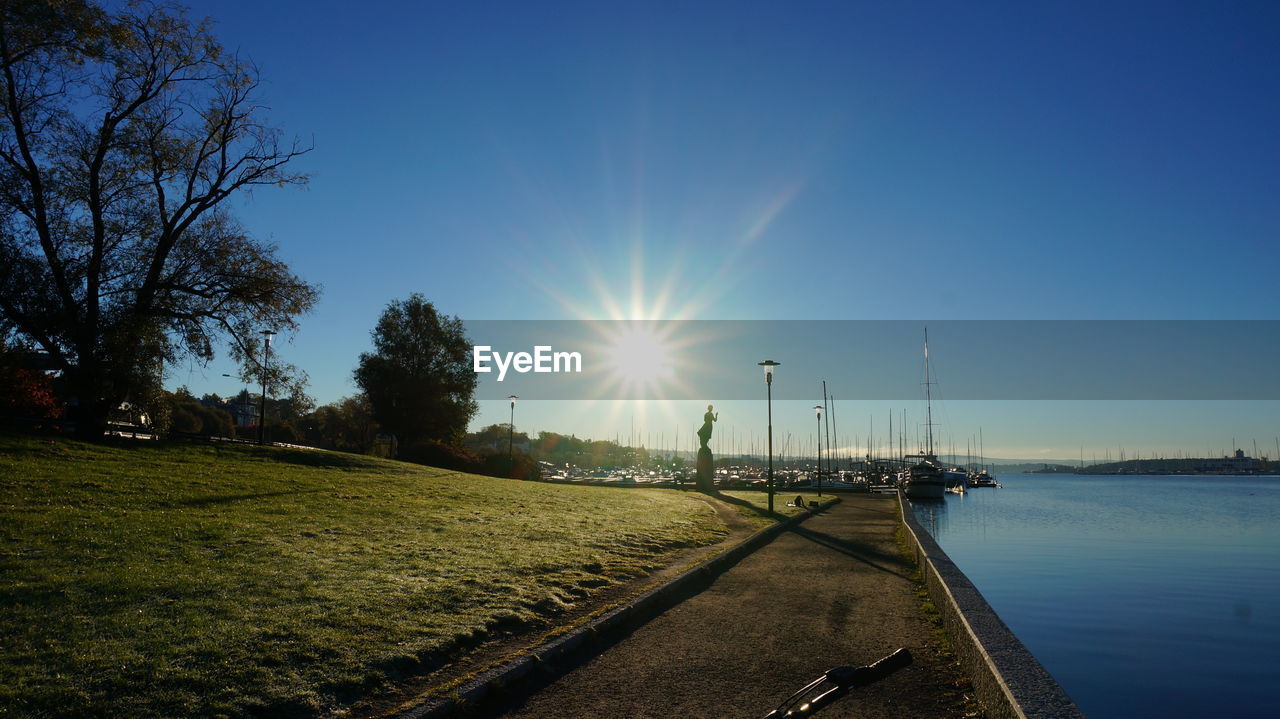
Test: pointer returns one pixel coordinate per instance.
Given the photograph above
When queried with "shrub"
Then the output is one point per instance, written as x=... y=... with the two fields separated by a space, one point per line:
x=517 y=466
x=27 y=393
x=215 y=422
x=451 y=456
x=184 y=420
x=283 y=432
x=440 y=454
x=187 y=416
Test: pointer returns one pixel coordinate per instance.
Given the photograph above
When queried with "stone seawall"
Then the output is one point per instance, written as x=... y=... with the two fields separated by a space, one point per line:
x=1008 y=681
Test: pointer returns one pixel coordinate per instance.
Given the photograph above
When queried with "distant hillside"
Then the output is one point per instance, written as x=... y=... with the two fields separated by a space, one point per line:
x=1236 y=465
x=1008 y=466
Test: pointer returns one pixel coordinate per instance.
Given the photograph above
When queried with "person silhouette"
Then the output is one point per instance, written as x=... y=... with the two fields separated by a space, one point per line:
x=704 y=432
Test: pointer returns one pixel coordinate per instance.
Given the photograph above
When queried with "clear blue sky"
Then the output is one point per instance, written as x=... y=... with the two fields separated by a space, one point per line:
x=842 y=160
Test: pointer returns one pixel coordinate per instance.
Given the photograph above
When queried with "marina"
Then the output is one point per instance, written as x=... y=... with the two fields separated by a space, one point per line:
x=533 y=360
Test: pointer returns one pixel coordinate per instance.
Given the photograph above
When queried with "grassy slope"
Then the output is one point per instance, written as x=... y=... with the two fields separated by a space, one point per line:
x=197 y=580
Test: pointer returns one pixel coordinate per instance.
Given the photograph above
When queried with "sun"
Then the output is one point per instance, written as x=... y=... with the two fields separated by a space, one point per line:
x=638 y=357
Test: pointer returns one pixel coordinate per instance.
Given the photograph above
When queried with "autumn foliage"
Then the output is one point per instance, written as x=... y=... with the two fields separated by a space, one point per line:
x=28 y=394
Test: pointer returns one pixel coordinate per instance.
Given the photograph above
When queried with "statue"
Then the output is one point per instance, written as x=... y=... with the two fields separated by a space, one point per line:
x=704 y=433
x=706 y=465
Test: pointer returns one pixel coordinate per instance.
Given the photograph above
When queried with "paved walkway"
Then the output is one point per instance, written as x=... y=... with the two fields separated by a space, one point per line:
x=832 y=590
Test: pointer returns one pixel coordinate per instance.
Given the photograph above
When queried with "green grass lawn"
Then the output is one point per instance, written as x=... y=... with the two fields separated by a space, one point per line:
x=158 y=579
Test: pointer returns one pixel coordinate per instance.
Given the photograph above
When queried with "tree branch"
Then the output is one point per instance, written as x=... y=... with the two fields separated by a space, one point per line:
x=31 y=171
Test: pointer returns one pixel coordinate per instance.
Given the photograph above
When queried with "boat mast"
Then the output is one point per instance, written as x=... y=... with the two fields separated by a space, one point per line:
x=982 y=451
x=835 y=429
x=826 y=415
x=928 y=399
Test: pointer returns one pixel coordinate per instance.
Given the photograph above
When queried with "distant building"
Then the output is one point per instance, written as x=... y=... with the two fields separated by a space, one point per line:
x=242 y=408
x=244 y=414
x=1238 y=464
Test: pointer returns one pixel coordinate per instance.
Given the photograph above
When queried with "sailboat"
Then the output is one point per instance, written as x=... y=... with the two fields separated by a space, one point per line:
x=925 y=479
x=983 y=478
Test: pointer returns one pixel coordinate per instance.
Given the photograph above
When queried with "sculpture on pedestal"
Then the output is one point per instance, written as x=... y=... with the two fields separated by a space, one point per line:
x=706 y=465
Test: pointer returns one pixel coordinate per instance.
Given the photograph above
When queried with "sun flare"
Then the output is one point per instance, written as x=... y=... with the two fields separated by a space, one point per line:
x=639 y=358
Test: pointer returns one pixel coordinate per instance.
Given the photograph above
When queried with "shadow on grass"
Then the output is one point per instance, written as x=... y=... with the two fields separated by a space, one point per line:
x=228 y=498
x=776 y=516
x=322 y=459
x=509 y=698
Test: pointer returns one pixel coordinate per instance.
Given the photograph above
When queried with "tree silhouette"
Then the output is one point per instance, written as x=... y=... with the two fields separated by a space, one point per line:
x=122 y=134
x=419 y=378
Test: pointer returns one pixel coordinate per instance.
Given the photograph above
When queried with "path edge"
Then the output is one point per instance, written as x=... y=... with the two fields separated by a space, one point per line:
x=593 y=637
x=1008 y=680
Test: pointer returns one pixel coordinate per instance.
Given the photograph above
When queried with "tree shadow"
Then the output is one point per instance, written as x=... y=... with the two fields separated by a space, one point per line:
x=763 y=512
x=228 y=498
x=850 y=549
x=891 y=509
x=317 y=458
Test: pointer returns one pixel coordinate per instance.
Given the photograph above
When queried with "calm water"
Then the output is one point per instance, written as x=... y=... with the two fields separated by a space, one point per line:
x=1153 y=596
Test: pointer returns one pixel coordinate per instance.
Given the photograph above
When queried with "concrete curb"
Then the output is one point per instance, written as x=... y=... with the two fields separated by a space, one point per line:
x=1007 y=679
x=598 y=633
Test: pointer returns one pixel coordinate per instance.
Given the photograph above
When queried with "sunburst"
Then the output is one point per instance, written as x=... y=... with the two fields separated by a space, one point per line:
x=637 y=315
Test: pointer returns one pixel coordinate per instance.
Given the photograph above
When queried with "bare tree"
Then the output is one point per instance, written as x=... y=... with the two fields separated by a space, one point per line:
x=122 y=135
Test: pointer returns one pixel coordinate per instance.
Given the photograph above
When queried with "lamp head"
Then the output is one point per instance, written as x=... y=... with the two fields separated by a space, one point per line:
x=768 y=366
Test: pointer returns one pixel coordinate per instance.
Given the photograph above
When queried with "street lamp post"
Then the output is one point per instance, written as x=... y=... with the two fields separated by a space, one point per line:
x=827 y=412
x=817 y=411
x=511 y=430
x=262 y=407
x=768 y=366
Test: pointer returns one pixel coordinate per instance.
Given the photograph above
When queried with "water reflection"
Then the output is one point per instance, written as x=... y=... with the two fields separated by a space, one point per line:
x=932 y=515
x=1143 y=596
